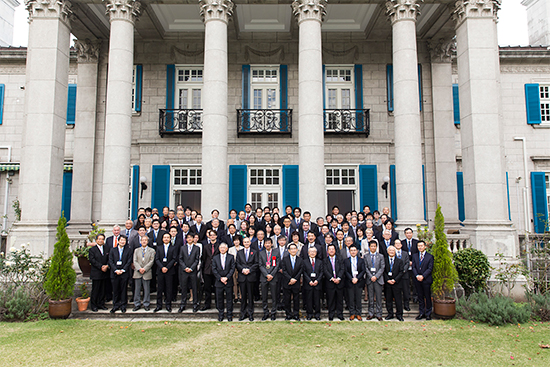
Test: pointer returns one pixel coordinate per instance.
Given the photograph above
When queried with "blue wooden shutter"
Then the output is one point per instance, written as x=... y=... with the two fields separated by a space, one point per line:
x=393 y=193
x=237 y=187
x=246 y=98
x=71 y=104
x=170 y=92
x=2 y=88
x=540 y=203
x=358 y=74
x=508 y=196
x=368 y=186
x=460 y=194
x=135 y=191
x=291 y=183
x=420 y=88
x=160 y=190
x=456 y=105
x=139 y=83
x=67 y=193
x=389 y=87
x=424 y=193
x=283 y=75
x=532 y=104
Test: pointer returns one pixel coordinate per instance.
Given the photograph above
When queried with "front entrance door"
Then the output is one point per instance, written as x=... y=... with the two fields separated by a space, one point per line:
x=191 y=198
x=344 y=199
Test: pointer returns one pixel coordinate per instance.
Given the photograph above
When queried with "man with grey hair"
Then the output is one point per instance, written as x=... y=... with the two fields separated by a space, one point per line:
x=385 y=242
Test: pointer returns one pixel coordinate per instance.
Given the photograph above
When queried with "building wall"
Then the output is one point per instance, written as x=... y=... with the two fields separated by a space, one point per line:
x=7 y=12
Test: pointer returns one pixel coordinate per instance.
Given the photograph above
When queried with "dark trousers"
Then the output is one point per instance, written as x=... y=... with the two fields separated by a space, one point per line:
x=354 y=297
x=154 y=280
x=292 y=301
x=108 y=290
x=312 y=297
x=335 y=303
x=406 y=290
x=424 y=297
x=224 y=295
x=175 y=285
x=392 y=291
x=207 y=289
x=120 y=298
x=247 y=297
x=97 y=298
x=272 y=287
x=256 y=288
x=165 y=288
x=188 y=280
x=412 y=284
x=280 y=292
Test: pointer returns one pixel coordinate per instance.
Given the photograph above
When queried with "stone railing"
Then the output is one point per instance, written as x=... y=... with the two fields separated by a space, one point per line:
x=458 y=241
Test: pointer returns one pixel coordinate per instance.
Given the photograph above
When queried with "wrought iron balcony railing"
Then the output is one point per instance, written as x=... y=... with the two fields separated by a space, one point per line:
x=180 y=121
x=345 y=121
x=251 y=121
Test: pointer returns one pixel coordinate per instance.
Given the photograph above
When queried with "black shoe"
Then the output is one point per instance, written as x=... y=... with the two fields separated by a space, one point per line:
x=330 y=318
x=273 y=317
x=407 y=308
x=94 y=309
x=113 y=310
x=389 y=317
x=288 y=318
x=169 y=309
x=157 y=309
x=251 y=318
x=400 y=318
x=297 y=318
x=341 y=317
x=103 y=308
x=429 y=317
x=204 y=308
x=146 y=308
x=230 y=318
x=195 y=309
x=123 y=310
x=266 y=316
x=180 y=310
x=419 y=317
x=136 y=308
x=308 y=318
x=220 y=318
x=318 y=318
x=242 y=317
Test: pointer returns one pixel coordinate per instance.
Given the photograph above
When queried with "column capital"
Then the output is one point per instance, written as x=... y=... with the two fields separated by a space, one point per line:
x=309 y=9
x=129 y=10
x=441 y=50
x=475 y=9
x=216 y=9
x=49 y=9
x=87 y=51
x=402 y=9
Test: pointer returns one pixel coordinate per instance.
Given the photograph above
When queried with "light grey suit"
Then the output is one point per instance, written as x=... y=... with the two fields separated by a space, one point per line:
x=143 y=261
x=374 y=289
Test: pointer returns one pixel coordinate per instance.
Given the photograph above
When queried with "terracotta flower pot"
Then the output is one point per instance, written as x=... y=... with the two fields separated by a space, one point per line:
x=60 y=309
x=445 y=308
x=82 y=303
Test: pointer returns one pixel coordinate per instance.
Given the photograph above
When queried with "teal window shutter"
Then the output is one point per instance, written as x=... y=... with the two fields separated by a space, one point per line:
x=67 y=193
x=2 y=88
x=283 y=78
x=532 y=104
x=456 y=105
x=71 y=104
x=135 y=191
x=540 y=201
x=170 y=95
x=508 y=196
x=389 y=87
x=420 y=88
x=368 y=186
x=139 y=88
x=237 y=187
x=424 y=193
x=160 y=190
x=358 y=74
x=460 y=193
x=393 y=193
x=291 y=183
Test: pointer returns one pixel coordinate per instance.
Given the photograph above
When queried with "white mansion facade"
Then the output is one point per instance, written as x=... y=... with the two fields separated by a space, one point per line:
x=217 y=103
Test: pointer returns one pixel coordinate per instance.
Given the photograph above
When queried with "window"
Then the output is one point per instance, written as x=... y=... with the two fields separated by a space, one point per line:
x=189 y=82
x=340 y=176
x=265 y=87
x=339 y=84
x=137 y=76
x=266 y=176
x=187 y=176
x=544 y=104
x=264 y=186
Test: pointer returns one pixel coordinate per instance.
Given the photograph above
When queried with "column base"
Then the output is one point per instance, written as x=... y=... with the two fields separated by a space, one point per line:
x=39 y=236
x=453 y=226
x=79 y=228
x=493 y=238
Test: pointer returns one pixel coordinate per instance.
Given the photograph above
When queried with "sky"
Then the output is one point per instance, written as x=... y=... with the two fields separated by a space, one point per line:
x=512 y=25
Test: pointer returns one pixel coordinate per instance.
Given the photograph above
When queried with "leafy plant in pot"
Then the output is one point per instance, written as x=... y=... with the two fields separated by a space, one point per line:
x=83 y=301
x=82 y=252
x=444 y=272
x=61 y=277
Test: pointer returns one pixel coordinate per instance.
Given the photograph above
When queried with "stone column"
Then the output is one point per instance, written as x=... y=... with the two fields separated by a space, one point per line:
x=43 y=138
x=444 y=130
x=311 y=145
x=214 y=194
x=84 y=134
x=408 y=140
x=481 y=129
x=118 y=111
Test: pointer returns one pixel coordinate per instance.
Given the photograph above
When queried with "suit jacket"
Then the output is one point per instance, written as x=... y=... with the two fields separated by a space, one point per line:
x=146 y=262
x=158 y=241
x=309 y=270
x=405 y=258
x=251 y=264
x=414 y=246
x=201 y=232
x=228 y=239
x=221 y=226
x=424 y=269
x=295 y=225
x=97 y=260
x=289 y=273
x=135 y=242
x=339 y=269
x=304 y=253
x=379 y=264
x=382 y=248
x=397 y=272
x=273 y=269
x=187 y=260
x=127 y=257
x=171 y=259
x=361 y=271
x=133 y=233
x=344 y=252
x=290 y=230
x=220 y=272
x=109 y=242
x=207 y=255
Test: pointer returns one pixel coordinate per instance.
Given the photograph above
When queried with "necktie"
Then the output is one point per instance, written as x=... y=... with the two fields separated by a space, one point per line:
x=100 y=249
x=421 y=257
x=268 y=257
x=292 y=260
x=333 y=267
x=189 y=248
x=223 y=262
x=115 y=242
x=261 y=245
x=313 y=264
x=391 y=264
x=246 y=253
x=120 y=253
x=399 y=254
x=127 y=233
x=372 y=260
x=155 y=233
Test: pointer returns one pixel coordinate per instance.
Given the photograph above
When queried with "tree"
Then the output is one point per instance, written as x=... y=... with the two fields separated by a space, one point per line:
x=444 y=272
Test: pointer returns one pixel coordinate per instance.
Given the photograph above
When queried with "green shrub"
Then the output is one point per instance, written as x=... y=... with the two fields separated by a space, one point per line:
x=540 y=306
x=19 y=306
x=444 y=273
x=497 y=310
x=473 y=270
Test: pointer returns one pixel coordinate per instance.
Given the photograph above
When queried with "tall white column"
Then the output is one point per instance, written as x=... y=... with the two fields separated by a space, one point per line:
x=118 y=111
x=408 y=140
x=483 y=159
x=84 y=134
x=43 y=139
x=214 y=194
x=444 y=130
x=311 y=145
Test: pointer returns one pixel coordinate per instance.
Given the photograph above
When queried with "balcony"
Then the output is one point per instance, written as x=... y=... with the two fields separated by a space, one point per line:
x=180 y=122
x=345 y=121
x=272 y=122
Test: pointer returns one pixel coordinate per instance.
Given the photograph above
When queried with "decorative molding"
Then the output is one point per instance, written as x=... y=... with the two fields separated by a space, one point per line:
x=49 y=9
x=402 y=9
x=129 y=10
x=309 y=9
x=216 y=9
x=176 y=50
x=249 y=50
x=354 y=49
x=475 y=9
x=531 y=69
x=87 y=51
x=442 y=50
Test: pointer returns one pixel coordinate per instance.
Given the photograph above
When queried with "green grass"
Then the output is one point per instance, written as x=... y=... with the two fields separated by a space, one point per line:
x=152 y=343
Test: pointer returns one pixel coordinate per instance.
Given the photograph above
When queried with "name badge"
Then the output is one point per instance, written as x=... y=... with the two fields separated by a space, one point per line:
x=119 y=262
x=390 y=274
x=313 y=275
x=164 y=260
x=373 y=269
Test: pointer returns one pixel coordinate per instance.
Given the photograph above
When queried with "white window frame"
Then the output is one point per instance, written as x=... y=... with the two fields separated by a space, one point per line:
x=191 y=86
x=177 y=187
x=544 y=93
x=264 y=188
x=339 y=86
x=264 y=86
x=354 y=187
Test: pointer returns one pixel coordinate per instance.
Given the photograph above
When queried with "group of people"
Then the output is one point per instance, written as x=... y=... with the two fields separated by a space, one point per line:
x=264 y=255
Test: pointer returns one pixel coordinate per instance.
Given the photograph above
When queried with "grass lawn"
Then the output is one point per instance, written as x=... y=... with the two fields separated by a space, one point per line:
x=154 y=343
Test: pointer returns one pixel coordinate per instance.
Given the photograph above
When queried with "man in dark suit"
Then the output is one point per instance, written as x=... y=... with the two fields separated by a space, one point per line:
x=410 y=245
x=313 y=277
x=287 y=228
x=199 y=228
x=209 y=250
x=283 y=251
x=334 y=283
x=188 y=262
x=310 y=242
x=120 y=261
x=223 y=267
x=230 y=235
x=99 y=259
x=422 y=266
x=393 y=274
x=385 y=242
x=269 y=269
x=404 y=256
x=156 y=234
x=166 y=257
x=375 y=264
x=212 y=224
x=312 y=225
x=111 y=242
x=355 y=276
x=292 y=272
x=296 y=223
x=247 y=266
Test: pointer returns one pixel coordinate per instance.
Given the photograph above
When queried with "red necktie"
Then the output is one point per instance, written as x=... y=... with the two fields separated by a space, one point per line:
x=313 y=264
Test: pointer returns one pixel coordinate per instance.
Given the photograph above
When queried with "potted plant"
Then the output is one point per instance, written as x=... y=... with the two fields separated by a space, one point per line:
x=83 y=301
x=81 y=252
x=444 y=272
x=61 y=277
